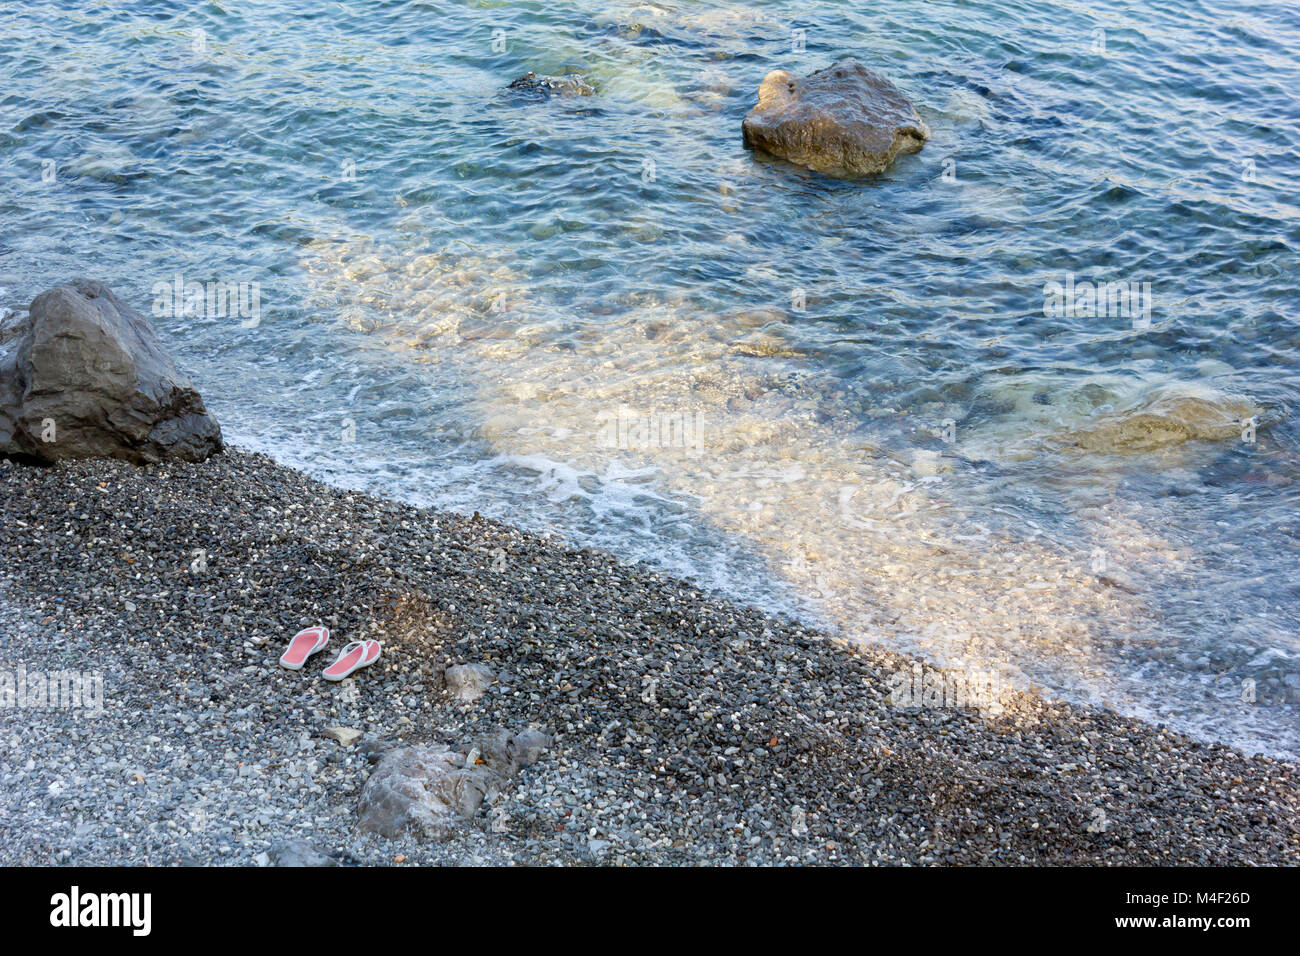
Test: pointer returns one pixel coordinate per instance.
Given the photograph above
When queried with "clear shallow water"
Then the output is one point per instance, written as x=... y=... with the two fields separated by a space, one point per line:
x=527 y=309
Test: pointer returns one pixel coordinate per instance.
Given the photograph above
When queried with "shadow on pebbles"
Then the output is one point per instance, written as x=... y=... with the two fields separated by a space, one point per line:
x=598 y=712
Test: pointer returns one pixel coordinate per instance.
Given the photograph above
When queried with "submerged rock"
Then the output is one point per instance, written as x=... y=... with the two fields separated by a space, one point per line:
x=82 y=375
x=570 y=84
x=844 y=120
x=1170 y=417
x=429 y=789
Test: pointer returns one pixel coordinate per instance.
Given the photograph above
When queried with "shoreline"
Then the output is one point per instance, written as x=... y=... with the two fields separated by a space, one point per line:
x=687 y=729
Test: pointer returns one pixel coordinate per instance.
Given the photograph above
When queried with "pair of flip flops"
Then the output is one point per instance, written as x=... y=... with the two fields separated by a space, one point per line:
x=355 y=655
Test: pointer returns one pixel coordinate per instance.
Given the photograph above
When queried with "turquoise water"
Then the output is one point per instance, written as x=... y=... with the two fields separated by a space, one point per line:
x=604 y=318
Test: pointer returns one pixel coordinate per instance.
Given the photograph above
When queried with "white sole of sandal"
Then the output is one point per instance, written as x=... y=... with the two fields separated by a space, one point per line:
x=295 y=656
x=352 y=658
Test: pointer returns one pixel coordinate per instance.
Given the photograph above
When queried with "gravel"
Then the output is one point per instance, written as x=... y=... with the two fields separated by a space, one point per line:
x=687 y=729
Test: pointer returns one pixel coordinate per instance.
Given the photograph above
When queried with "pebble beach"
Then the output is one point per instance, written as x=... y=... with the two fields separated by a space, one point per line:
x=685 y=728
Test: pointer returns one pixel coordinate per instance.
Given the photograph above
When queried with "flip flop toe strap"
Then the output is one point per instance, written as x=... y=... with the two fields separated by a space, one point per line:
x=348 y=649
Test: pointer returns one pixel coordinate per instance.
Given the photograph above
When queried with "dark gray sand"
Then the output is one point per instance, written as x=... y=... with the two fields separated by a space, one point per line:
x=687 y=729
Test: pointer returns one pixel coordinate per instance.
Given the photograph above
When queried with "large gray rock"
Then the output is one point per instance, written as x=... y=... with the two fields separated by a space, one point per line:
x=428 y=789
x=843 y=121
x=82 y=375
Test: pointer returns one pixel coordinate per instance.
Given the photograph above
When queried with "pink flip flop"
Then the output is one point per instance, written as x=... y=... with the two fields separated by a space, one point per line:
x=304 y=645
x=356 y=655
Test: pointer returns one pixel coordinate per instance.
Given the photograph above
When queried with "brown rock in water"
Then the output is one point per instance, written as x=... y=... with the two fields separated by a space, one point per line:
x=82 y=375
x=843 y=121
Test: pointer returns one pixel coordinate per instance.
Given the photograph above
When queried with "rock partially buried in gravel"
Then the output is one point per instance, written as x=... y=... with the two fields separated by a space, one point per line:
x=372 y=749
x=344 y=735
x=82 y=375
x=843 y=121
x=300 y=853
x=468 y=682
x=570 y=84
x=428 y=789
